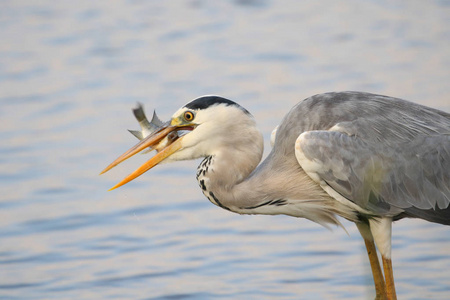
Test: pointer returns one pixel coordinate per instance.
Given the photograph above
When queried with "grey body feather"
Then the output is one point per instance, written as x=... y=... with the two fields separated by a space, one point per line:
x=386 y=155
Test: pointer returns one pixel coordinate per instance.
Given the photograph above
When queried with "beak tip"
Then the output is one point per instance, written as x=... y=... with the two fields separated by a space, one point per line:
x=160 y=156
x=114 y=187
x=107 y=169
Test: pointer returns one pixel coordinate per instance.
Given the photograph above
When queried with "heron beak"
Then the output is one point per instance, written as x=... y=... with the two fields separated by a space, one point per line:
x=153 y=141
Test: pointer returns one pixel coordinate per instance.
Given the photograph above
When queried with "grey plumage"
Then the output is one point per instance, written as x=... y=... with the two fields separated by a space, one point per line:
x=384 y=154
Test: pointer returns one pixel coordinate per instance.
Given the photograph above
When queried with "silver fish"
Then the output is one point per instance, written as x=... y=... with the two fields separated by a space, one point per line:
x=147 y=127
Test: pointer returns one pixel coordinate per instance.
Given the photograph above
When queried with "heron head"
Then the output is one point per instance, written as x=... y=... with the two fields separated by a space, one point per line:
x=198 y=129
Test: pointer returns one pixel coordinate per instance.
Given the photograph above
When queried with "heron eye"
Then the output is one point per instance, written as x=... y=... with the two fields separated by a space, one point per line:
x=189 y=116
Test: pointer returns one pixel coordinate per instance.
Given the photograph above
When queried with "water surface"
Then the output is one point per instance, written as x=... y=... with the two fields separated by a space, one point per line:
x=71 y=71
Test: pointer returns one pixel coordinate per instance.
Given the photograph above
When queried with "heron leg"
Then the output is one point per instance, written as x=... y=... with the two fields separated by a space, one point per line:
x=389 y=274
x=380 y=286
x=381 y=229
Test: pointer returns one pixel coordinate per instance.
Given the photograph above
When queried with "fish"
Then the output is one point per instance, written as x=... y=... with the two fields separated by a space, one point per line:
x=148 y=128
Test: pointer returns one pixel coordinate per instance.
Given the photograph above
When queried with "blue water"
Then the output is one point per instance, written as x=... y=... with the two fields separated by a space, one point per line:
x=70 y=71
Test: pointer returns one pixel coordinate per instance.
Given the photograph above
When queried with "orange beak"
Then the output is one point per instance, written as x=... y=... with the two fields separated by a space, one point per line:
x=153 y=142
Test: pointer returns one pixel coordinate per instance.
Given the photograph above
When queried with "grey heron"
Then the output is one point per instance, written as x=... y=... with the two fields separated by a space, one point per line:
x=368 y=158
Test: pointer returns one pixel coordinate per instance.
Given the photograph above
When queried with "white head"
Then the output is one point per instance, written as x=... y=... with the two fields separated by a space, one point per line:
x=218 y=124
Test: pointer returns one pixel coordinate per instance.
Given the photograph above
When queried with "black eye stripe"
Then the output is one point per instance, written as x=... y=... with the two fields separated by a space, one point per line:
x=209 y=101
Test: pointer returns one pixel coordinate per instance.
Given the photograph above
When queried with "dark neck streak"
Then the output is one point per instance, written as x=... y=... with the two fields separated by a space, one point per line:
x=203 y=178
x=219 y=175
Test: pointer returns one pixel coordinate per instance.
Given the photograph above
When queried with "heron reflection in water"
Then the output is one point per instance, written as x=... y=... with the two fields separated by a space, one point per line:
x=367 y=158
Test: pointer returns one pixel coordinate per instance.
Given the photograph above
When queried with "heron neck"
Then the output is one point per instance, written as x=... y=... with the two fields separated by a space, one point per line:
x=276 y=186
x=219 y=174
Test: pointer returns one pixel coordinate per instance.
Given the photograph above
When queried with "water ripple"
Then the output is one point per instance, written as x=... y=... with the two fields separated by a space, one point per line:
x=69 y=75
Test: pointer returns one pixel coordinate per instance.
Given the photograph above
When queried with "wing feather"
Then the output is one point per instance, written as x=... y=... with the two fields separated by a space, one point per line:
x=380 y=177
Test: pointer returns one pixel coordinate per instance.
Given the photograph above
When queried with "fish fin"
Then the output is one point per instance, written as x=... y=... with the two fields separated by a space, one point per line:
x=155 y=120
x=136 y=133
x=142 y=118
x=139 y=112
